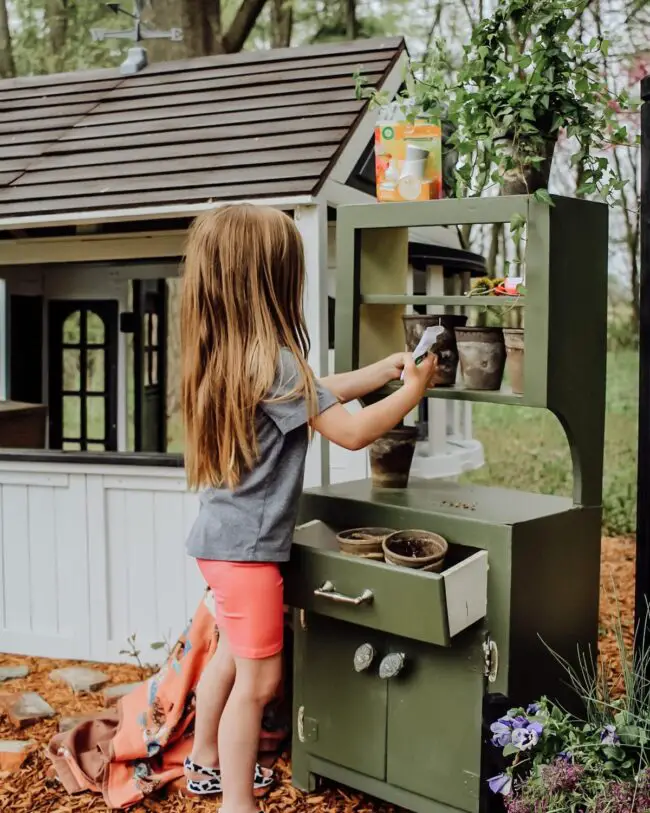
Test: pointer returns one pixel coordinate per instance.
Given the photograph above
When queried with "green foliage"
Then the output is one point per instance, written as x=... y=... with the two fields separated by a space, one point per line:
x=525 y=78
x=46 y=43
x=526 y=449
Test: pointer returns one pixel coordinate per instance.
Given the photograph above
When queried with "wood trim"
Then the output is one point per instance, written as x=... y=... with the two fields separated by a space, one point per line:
x=133 y=213
x=359 y=137
x=93 y=248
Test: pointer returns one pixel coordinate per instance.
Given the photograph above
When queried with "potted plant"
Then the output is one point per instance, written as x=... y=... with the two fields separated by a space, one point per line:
x=391 y=457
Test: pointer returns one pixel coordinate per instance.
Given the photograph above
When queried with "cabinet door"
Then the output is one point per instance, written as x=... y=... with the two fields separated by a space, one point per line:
x=434 y=721
x=344 y=711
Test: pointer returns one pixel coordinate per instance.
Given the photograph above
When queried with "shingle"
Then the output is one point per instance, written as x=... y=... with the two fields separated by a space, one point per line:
x=253 y=124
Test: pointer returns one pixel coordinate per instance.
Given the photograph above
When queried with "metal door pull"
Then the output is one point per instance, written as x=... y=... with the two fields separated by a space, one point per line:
x=328 y=591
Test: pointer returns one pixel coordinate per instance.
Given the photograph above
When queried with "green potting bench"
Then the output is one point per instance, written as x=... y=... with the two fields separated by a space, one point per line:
x=398 y=673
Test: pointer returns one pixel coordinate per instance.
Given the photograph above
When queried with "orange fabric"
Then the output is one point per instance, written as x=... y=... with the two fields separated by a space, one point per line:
x=134 y=750
x=249 y=605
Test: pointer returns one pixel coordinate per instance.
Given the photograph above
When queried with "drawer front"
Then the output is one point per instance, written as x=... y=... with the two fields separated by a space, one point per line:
x=416 y=605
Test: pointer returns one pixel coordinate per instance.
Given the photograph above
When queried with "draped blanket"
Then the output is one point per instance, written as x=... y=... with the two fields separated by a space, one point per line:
x=134 y=750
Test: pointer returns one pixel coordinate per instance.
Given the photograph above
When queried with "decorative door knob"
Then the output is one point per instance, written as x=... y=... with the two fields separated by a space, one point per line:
x=363 y=657
x=391 y=665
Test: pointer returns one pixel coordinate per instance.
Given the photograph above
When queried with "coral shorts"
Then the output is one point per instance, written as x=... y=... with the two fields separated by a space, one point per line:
x=249 y=601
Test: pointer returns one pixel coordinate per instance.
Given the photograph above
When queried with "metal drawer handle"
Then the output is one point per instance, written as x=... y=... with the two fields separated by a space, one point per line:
x=328 y=591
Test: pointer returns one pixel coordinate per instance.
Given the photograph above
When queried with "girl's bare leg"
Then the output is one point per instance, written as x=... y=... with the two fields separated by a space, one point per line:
x=256 y=682
x=211 y=695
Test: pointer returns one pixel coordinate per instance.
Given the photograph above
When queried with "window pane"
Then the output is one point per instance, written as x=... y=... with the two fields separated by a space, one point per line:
x=154 y=367
x=96 y=447
x=71 y=416
x=96 y=429
x=95 y=328
x=71 y=332
x=69 y=446
x=154 y=330
x=71 y=375
x=95 y=374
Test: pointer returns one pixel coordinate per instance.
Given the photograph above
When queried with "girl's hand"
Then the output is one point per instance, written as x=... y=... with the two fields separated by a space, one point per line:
x=418 y=376
x=395 y=364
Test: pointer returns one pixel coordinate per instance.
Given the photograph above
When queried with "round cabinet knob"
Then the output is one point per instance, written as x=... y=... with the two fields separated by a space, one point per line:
x=391 y=665
x=363 y=657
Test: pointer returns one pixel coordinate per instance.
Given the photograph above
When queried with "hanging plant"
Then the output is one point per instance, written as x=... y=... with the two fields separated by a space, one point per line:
x=525 y=79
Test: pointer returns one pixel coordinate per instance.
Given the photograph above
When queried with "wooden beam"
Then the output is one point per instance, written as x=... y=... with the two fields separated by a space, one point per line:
x=93 y=248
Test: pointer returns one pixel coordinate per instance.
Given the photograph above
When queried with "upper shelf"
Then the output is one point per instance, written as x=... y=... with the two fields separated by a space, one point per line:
x=458 y=301
x=565 y=305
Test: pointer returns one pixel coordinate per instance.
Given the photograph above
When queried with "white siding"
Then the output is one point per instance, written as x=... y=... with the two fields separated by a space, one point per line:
x=90 y=555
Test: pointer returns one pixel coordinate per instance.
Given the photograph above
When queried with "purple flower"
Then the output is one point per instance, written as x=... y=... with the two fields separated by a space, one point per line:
x=608 y=735
x=538 y=728
x=533 y=709
x=502 y=734
x=519 y=721
x=525 y=738
x=561 y=776
x=501 y=784
x=565 y=756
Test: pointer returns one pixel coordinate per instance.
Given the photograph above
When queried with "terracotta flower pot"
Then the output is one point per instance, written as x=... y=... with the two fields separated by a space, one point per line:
x=445 y=348
x=514 y=342
x=364 y=542
x=482 y=356
x=420 y=550
x=391 y=457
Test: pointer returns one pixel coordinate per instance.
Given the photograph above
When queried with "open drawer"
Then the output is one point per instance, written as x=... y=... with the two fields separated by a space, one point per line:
x=427 y=607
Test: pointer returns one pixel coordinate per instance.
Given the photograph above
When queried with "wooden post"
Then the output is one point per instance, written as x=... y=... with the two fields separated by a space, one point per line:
x=643 y=483
x=311 y=222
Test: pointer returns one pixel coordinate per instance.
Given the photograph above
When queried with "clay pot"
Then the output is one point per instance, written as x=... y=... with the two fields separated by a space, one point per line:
x=364 y=542
x=445 y=348
x=419 y=550
x=482 y=356
x=514 y=341
x=391 y=457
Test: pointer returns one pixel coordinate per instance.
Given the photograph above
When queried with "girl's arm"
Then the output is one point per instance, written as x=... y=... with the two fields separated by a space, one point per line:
x=350 y=386
x=361 y=429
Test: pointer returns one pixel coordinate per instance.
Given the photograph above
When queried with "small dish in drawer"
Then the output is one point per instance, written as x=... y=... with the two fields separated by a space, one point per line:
x=429 y=607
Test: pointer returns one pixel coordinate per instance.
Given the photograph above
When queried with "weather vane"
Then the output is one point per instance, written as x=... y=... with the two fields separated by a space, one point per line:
x=137 y=57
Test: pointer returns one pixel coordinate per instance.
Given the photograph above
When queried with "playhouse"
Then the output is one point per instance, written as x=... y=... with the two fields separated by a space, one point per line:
x=100 y=175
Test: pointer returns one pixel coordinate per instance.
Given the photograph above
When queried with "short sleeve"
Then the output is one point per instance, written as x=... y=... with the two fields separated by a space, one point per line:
x=291 y=413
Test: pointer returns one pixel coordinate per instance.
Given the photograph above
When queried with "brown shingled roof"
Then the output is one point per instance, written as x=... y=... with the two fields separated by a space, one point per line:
x=261 y=124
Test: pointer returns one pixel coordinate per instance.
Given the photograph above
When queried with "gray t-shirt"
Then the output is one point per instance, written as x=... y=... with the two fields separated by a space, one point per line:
x=255 y=521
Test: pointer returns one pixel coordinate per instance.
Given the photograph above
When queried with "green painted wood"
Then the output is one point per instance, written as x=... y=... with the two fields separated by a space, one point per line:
x=458 y=301
x=448 y=212
x=502 y=396
x=565 y=307
x=380 y=790
x=429 y=501
x=405 y=602
x=434 y=721
x=344 y=710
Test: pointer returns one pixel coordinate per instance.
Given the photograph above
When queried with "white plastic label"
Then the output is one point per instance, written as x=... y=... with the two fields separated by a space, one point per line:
x=429 y=338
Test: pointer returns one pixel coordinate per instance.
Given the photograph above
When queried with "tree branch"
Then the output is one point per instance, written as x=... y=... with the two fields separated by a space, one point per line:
x=7 y=65
x=242 y=25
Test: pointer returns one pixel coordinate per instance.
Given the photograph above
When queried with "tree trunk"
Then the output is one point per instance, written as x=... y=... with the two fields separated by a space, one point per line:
x=281 y=23
x=56 y=20
x=7 y=66
x=351 y=22
x=203 y=33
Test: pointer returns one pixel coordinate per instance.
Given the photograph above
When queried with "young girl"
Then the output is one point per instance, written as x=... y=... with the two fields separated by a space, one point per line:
x=249 y=401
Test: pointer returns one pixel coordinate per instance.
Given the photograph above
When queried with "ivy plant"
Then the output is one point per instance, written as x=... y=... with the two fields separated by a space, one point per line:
x=525 y=78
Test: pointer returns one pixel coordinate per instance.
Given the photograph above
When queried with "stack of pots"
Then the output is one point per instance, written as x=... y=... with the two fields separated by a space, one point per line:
x=419 y=550
x=364 y=542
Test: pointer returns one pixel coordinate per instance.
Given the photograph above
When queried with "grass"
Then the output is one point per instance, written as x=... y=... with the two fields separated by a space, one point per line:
x=526 y=449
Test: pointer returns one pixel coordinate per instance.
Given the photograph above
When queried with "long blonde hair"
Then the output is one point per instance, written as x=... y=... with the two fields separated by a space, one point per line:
x=242 y=301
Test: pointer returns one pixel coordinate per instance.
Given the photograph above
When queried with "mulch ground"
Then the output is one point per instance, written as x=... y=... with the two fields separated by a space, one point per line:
x=31 y=791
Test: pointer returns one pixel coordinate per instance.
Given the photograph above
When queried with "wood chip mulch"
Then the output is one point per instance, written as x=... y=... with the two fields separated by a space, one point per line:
x=31 y=791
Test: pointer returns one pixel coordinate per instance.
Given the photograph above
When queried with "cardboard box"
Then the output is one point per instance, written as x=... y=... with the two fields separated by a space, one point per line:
x=408 y=161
